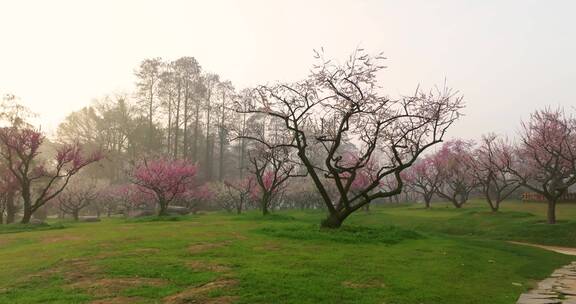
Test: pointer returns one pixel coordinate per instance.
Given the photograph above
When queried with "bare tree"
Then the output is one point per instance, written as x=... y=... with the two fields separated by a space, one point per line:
x=546 y=156
x=271 y=169
x=222 y=116
x=340 y=102
x=423 y=178
x=76 y=198
x=491 y=161
x=454 y=164
x=240 y=192
x=148 y=74
x=211 y=82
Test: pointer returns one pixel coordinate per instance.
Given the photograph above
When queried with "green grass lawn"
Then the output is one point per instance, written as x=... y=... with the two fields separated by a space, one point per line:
x=395 y=254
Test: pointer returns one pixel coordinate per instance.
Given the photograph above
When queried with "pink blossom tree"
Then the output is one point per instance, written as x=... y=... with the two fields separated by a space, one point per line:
x=492 y=158
x=20 y=150
x=166 y=179
x=454 y=163
x=301 y=193
x=546 y=156
x=423 y=178
x=196 y=197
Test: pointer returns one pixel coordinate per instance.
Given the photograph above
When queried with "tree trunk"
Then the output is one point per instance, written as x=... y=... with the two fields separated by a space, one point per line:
x=463 y=199
x=10 y=208
x=150 y=119
x=27 y=214
x=221 y=155
x=25 y=190
x=169 y=139
x=242 y=147
x=222 y=137
x=163 y=208
x=367 y=207
x=186 y=137
x=333 y=221
x=75 y=215
x=427 y=202
x=456 y=204
x=551 y=216
x=209 y=157
x=264 y=204
x=239 y=207
x=177 y=126
x=196 y=132
x=494 y=205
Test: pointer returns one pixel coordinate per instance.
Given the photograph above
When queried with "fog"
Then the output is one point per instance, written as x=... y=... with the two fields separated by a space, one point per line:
x=507 y=58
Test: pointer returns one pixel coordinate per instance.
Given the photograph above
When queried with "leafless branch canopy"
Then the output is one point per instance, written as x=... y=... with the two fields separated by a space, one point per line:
x=340 y=105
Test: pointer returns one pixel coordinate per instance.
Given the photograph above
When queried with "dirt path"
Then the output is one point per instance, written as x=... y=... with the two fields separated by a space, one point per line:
x=559 y=288
x=563 y=250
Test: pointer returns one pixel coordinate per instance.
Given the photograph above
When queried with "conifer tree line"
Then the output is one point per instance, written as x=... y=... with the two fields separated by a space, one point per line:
x=177 y=111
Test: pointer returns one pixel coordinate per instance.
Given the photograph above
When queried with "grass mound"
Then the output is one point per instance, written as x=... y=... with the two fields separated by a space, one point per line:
x=346 y=234
x=499 y=215
x=273 y=217
x=17 y=227
x=156 y=218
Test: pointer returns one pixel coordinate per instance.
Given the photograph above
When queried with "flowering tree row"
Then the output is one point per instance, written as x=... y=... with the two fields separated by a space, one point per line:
x=543 y=160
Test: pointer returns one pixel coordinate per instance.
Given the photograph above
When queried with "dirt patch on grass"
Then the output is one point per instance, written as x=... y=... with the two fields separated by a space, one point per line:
x=206 y=266
x=4 y=242
x=239 y=236
x=146 y=250
x=200 y=294
x=117 y=300
x=82 y=274
x=221 y=300
x=203 y=247
x=60 y=238
x=107 y=287
x=72 y=270
x=269 y=246
x=78 y=269
x=358 y=285
x=132 y=239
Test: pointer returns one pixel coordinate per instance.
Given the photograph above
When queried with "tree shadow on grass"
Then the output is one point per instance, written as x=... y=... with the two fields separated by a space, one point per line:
x=347 y=234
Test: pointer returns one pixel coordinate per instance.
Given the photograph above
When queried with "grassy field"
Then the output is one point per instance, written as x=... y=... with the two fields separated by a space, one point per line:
x=395 y=254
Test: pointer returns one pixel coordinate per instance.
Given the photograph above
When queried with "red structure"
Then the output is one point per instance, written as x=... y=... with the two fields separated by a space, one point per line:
x=533 y=196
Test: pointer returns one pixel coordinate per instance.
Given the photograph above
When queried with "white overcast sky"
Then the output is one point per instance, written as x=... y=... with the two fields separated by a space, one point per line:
x=507 y=57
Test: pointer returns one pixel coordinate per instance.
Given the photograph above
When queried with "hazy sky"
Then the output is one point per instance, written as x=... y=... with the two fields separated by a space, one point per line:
x=507 y=57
